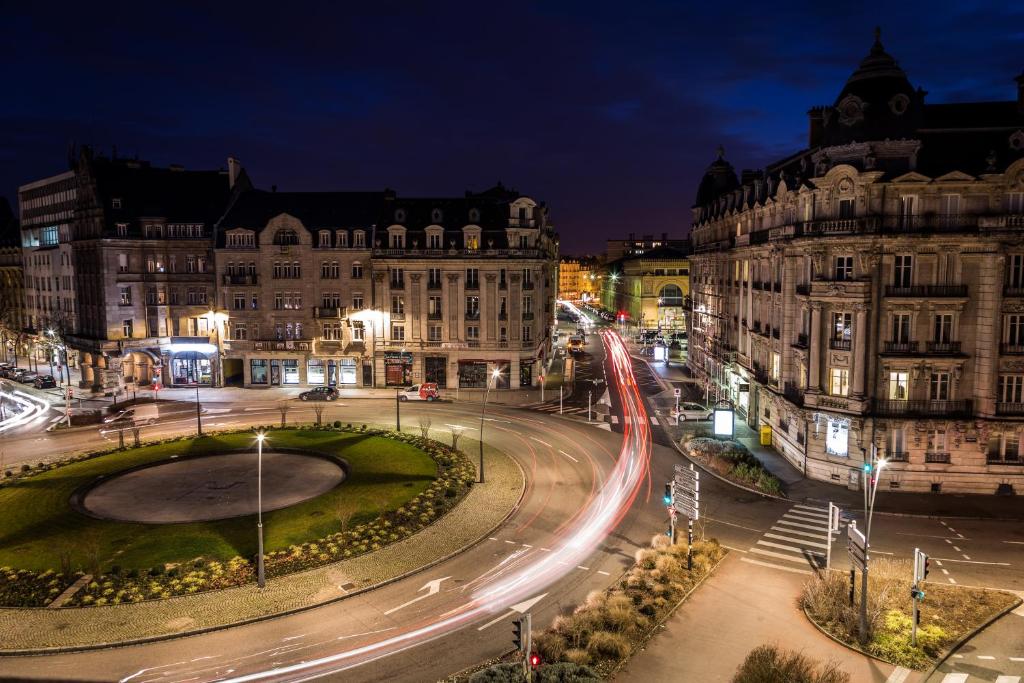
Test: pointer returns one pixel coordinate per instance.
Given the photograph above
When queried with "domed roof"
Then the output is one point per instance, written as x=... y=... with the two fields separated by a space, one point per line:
x=878 y=77
x=718 y=179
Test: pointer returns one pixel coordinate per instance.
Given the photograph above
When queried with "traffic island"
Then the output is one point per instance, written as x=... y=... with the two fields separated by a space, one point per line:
x=947 y=613
x=483 y=508
x=733 y=462
x=598 y=638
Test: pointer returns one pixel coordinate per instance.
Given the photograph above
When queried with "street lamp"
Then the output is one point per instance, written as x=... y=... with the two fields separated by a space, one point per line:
x=199 y=417
x=261 y=579
x=872 y=475
x=494 y=375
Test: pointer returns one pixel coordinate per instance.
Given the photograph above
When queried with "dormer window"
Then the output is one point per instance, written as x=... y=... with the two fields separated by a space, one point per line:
x=471 y=237
x=474 y=215
x=396 y=237
x=243 y=238
x=115 y=203
x=435 y=237
x=325 y=238
x=342 y=238
x=399 y=215
x=436 y=216
x=359 y=239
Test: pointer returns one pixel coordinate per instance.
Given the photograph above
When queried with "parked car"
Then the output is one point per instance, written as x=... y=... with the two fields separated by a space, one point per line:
x=27 y=377
x=575 y=344
x=694 y=411
x=319 y=394
x=420 y=392
x=44 y=382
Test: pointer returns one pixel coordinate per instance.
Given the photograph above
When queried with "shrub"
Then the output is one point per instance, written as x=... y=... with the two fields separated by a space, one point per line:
x=565 y=672
x=337 y=424
x=607 y=645
x=770 y=664
x=25 y=467
x=157 y=570
x=499 y=673
x=550 y=645
x=577 y=656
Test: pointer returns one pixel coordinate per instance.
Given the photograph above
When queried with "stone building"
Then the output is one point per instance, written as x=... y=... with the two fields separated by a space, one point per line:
x=141 y=241
x=649 y=288
x=867 y=292
x=569 y=283
x=294 y=277
x=12 y=286
x=464 y=287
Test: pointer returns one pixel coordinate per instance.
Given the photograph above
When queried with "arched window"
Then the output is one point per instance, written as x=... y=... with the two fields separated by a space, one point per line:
x=670 y=295
x=286 y=236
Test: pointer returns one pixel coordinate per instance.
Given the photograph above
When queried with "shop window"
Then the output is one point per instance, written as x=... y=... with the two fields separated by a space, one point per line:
x=348 y=371
x=473 y=374
x=314 y=371
x=291 y=371
x=258 y=371
x=837 y=437
x=191 y=367
x=526 y=373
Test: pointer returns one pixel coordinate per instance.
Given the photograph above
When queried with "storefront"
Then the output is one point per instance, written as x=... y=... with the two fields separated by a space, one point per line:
x=397 y=368
x=191 y=367
x=502 y=380
x=473 y=374
x=526 y=372
x=435 y=370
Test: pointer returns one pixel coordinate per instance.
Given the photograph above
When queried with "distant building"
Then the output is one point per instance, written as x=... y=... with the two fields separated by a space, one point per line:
x=12 y=286
x=867 y=292
x=649 y=287
x=569 y=287
x=617 y=249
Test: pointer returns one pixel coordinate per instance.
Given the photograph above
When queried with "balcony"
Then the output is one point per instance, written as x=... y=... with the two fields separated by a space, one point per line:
x=776 y=333
x=503 y=316
x=793 y=393
x=398 y=315
x=943 y=348
x=841 y=226
x=801 y=341
x=840 y=344
x=758 y=285
x=502 y=284
x=1013 y=291
x=329 y=312
x=472 y=284
x=1009 y=408
x=528 y=284
x=777 y=287
x=897 y=456
x=398 y=284
x=433 y=284
x=924 y=408
x=1011 y=349
x=900 y=348
x=415 y=252
x=472 y=315
x=1012 y=459
x=936 y=457
x=241 y=279
x=760 y=374
x=434 y=315
x=926 y=291
x=932 y=222
x=528 y=315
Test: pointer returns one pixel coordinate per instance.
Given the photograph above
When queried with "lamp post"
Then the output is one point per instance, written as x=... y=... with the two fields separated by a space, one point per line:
x=494 y=375
x=398 y=409
x=871 y=474
x=199 y=417
x=261 y=579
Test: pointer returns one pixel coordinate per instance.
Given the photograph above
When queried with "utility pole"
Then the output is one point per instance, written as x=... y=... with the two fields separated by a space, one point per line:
x=590 y=398
x=398 y=409
x=199 y=416
x=261 y=578
x=833 y=526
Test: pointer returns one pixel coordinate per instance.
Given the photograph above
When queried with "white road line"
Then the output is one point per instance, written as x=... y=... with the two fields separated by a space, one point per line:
x=601 y=571
x=811 y=508
x=951 y=579
x=1007 y=679
x=955 y=678
x=801 y=517
x=957 y=549
x=1015 y=542
x=985 y=657
x=1017 y=659
x=615 y=419
x=527 y=546
x=898 y=675
x=938 y=563
x=944 y=571
x=544 y=443
x=492 y=538
x=654 y=421
x=510 y=542
x=810 y=513
x=801 y=526
x=967 y=557
x=797 y=540
x=949 y=541
x=793 y=548
x=580 y=566
x=953 y=559
x=567 y=455
x=780 y=556
x=775 y=566
x=794 y=531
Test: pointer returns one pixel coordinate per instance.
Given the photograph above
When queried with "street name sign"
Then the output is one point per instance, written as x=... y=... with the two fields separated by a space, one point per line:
x=857 y=545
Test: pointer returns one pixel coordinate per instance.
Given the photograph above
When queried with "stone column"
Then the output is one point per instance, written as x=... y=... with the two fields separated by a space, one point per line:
x=814 y=372
x=858 y=357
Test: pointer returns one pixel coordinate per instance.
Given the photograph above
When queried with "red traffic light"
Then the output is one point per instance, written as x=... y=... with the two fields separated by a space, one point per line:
x=534 y=660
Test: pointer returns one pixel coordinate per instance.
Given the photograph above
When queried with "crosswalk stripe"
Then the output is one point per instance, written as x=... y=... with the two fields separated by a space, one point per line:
x=654 y=421
x=615 y=419
x=954 y=678
x=796 y=540
x=804 y=517
x=898 y=675
x=1007 y=679
x=801 y=526
x=811 y=508
x=795 y=549
x=775 y=566
x=799 y=533
x=780 y=556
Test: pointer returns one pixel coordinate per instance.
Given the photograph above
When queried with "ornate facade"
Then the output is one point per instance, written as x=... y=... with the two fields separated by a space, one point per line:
x=868 y=292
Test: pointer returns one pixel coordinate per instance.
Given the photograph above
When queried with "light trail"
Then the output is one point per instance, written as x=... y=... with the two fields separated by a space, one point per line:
x=32 y=409
x=529 y=574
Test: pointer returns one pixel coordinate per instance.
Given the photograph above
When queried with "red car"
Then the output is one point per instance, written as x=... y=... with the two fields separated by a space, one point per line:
x=420 y=392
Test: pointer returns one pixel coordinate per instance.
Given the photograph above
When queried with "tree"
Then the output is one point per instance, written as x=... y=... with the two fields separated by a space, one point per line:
x=424 y=426
x=318 y=410
x=345 y=509
x=284 y=407
x=456 y=435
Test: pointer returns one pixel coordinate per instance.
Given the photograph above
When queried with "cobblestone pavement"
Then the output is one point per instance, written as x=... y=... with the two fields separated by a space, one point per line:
x=484 y=507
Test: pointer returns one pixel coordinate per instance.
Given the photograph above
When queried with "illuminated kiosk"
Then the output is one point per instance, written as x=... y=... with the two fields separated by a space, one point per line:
x=724 y=420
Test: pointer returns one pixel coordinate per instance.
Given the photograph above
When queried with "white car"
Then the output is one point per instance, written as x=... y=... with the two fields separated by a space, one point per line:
x=694 y=411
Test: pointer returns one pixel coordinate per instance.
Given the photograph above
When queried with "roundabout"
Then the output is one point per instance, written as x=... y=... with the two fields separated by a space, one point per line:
x=210 y=487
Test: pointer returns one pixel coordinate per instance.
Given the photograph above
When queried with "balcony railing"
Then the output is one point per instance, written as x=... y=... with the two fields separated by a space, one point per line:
x=433 y=284
x=926 y=291
x=924 y=408
x=329 y=312
x=1013 y=290
x=398 y=284
x=760 y=374
x=1009 y=408
x=793 y=393
x=1008 y=459
x=937 y=457
x=943 y=348
x=472 y=315
x=457 y=253
x=897 y=456
x=435 y=315
x=528 y=284
x=472 y=284
x=1011 y=349
x=241 y=279
x=803 y=289
x=900 y=347
x=801 y=340
x=528 y=315
x=840 y=344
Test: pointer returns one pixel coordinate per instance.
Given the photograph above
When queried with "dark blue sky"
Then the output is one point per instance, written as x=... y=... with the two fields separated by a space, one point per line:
x=609 y=112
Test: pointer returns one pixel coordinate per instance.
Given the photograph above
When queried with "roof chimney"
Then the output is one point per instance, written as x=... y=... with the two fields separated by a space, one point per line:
x=234 y=168
x=1020 y=92
x=816 y=126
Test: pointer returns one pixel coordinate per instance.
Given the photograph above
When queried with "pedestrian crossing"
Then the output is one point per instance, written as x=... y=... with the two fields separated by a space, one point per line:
x=967 y=678
x=796 y=542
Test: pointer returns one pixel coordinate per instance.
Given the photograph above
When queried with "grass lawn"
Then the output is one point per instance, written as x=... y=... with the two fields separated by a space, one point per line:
x=37 y=524
x=947 y=612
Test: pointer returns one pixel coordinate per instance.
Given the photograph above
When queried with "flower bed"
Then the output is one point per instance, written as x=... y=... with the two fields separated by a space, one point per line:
x=24 y=588
x=732 y=460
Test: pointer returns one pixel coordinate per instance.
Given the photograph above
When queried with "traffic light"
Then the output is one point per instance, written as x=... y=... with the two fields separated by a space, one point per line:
x=916 y=593
x=867 y=467
x=668 y=494
x=517 y=634
x=534 y=660
x=925 y=567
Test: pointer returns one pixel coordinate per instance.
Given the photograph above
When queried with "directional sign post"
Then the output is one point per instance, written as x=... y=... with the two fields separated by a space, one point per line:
x=857 y=546
x=833 y=526
x=686 y=501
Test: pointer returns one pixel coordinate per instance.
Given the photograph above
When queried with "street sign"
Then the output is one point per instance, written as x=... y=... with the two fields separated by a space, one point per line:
x=685 y=482
x=857 y=546
x=690 y=511
x=677 y=392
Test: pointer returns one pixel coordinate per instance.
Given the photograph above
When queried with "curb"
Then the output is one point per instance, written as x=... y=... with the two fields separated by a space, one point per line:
x=848 y=646
x=969 y=636
x=267 y=617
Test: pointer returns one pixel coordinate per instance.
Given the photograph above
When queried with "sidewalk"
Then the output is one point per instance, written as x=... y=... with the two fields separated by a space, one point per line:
x=799 y=489
x=737 y=609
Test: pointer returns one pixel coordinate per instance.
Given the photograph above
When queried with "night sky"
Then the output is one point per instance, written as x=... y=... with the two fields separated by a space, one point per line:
x=609 y=112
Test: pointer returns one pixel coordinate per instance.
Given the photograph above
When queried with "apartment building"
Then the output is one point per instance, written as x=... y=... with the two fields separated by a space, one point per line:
x=569 y=283
x=867 y=292
x=649 y=287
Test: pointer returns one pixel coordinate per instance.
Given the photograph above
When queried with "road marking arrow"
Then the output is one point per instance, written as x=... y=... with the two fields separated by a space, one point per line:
x=518 y=608
x=432 y=588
